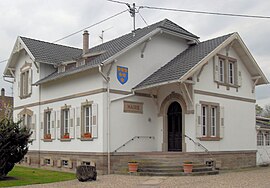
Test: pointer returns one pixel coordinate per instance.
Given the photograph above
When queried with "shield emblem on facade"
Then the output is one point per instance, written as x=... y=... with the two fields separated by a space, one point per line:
x=122 y=74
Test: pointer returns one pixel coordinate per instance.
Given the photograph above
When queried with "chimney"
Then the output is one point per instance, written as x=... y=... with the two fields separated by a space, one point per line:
x=2 y=92
x=85 y=42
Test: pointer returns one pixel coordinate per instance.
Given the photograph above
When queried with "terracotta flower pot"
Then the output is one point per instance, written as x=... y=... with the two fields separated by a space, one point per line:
x=66 y=136
x=188 y=168
x=133 y=166
x=47 y=136
x=87 y=135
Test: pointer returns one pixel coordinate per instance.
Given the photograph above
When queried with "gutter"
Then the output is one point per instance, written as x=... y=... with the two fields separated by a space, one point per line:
x=107 y=79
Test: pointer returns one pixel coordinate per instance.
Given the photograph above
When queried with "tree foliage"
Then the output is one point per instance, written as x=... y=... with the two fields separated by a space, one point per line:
x=14 y=142
x=259 y=110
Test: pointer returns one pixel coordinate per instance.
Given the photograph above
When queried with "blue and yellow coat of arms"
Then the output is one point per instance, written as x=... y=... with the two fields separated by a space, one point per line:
x=122 y=74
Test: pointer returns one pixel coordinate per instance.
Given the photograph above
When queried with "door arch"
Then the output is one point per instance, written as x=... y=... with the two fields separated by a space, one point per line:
x=174 y=122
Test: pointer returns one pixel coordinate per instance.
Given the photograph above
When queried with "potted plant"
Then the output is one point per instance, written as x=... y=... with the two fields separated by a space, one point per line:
x=87 y=135
x=188 y=166
x=133 y=166
x=66 y=136
x=47 y=136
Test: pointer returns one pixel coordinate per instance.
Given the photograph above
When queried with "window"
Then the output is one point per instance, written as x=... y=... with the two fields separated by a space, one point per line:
x=231 y=73
x=210 y=120
x=86 y=163
x=47 y=161
x=260 y=139
x=204 y=120
x=48 y=122
x=87 y=110
x=213 y=121
x=267 y=139
x=221 y=70
x=65 y=163
x=65 y=123
x=88 y=128
x=226 y=71
x=25 y=83
x=26 y=120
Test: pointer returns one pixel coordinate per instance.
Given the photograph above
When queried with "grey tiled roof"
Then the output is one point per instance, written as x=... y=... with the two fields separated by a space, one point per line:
x=117 y=45
x=50 y=53
x=183 y=62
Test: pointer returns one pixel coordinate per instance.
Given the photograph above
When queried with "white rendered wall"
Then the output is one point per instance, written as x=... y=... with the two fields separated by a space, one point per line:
x=158 y=52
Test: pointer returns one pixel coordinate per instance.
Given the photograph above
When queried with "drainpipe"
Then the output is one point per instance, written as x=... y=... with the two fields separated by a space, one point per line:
x=107 y=79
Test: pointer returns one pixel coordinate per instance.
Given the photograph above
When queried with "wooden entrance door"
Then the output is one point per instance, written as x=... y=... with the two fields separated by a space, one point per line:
x=174 y=115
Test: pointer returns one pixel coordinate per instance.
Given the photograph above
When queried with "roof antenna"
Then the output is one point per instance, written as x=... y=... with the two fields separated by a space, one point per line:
x=132 y=11
x=102 y=34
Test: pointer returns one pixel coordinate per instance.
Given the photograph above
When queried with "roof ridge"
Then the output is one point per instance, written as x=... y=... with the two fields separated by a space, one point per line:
x=50 y=43
x=217 y=37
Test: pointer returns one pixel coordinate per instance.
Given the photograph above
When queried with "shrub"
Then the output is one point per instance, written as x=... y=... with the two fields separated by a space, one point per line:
x=14 y=142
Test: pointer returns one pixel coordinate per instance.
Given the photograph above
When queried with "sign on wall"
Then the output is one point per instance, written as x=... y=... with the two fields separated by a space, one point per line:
x=122 y=74
x=133 y=107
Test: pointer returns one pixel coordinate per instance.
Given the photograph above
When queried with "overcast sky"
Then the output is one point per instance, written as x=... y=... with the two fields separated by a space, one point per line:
x=51 y=20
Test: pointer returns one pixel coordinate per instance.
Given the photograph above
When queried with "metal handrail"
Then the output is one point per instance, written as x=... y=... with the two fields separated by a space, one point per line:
x=150 y=137
x=198 y=144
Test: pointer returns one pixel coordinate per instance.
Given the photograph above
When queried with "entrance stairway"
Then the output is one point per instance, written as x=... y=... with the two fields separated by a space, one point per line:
x=164 y=166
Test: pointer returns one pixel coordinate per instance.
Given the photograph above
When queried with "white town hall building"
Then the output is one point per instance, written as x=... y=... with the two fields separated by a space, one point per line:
x=152 y=91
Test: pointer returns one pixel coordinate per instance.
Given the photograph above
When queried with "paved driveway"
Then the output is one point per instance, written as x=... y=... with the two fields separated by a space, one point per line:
x=257 y=177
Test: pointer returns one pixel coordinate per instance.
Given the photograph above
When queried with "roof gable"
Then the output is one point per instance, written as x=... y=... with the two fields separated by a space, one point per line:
x=116 y=47
x=182 y=63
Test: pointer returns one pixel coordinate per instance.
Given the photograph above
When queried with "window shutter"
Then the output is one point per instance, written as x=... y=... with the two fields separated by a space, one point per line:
x=78 y=163
x=59 y=163
x=19 y=88
x=222 y=125
x=70 y=164
x=239 y=79
x=216 y=67
x=33 y=127
x=71 y=123
x=30 y=82
x=94 y=120
x=78 y=122
x=41 y=125
x=58 y=124
x=42 y=161
x=53 y=118
x=198 y=121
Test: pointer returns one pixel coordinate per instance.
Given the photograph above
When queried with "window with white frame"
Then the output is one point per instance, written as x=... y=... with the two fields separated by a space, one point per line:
x=204 y=120
x=231 y=73
x=87 y=114
x=88 y=126
x=267 y=139
x=65 y=127
x=221 y=70
x=225 y=70
x=47 y=124
x=26 y=120
x=260 y=139
x=210 y=119
x=25 y=83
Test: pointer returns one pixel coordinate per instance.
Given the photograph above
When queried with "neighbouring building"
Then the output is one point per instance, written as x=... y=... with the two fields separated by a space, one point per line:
x=157 y=90
x=6 y=105
x=263 y=140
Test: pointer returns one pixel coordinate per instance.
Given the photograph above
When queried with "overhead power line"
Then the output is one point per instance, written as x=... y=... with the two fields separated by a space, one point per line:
x=206 y=12
x=91 y=26
x=83 y=29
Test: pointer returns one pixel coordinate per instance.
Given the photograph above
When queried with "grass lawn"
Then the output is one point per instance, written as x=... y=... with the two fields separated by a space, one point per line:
x=27 y=176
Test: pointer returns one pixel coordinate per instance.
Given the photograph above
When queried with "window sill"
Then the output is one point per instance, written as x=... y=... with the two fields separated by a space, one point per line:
x=25 y=96
x=86 y=139
x=65 y=139
x=210 y=139
x=47 y=140
x=227 y=84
